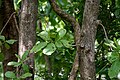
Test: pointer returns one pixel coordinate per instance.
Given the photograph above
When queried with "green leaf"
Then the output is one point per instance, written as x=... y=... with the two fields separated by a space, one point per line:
x=49 y=49
x=44 y=35
x=10 y=74
x=24 y=56
x=110 y=43
x=11 y=41
x=25 y=67
x=17 y=56
x=62 y=32
x=38 y=47
x=19 y=1
x=26 y=75
x=113 y=57
x=0 y=43
x=7 y=46
x=58 y=44
x=114 y=69
x=1 y=57
x=2 y=38
x=15 y=64
x=117 y=3
x=66 y=43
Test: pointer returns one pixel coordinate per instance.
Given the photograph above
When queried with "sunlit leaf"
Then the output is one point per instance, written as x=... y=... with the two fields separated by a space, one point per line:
x=2 y=38
x=65 y=43
x=11 y=41
x=24 y=56
x=114 y=69
x=113 y=57
x=15 y=64
x=58 y=44
x=26 y=75
x=62 y=32
x=19 y=1
x=49 y=49
x=17 y=56
x=25 y=67
x=10 y=74
x=44 y=35
x=38 y=47
x=110 y=43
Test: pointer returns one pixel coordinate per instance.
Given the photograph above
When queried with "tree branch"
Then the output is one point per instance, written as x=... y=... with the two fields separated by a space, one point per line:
x=76 y=28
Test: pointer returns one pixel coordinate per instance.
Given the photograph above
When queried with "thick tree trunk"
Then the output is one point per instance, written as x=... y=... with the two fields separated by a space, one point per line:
x=27 y=34
x=89 y=27
x=10 y=32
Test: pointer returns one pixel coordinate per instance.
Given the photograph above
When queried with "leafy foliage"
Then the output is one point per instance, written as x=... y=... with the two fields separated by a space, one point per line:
x=55 y=38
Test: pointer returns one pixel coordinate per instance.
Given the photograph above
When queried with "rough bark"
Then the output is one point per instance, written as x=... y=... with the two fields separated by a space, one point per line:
x=89 y=27
x=76 y=27
x=10 y=32
x=27 y=34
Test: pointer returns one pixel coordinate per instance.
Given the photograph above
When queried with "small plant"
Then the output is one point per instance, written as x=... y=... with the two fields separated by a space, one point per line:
x=114 y=58
x=12 y=75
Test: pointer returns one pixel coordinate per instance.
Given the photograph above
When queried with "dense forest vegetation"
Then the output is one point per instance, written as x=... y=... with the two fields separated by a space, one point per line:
x=59 y=39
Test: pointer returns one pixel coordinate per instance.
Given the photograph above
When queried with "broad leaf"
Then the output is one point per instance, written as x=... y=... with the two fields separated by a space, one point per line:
x=25 y=67
x=7 y=46
x=58 y=44
x=65 y=43
x=44 y=35
x=26 y=75
x=49 y=49
x=24 y=56
x=15 y=64
x=38 y=47
x=2 y=38
x=62 y=32
x=114 y=69
x=113 y=57
x=11 y=41
x=10 y=74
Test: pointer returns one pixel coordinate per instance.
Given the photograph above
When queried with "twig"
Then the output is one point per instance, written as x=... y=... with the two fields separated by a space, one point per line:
x=104 y=31
x=16 y=23
x=100 y=23
x=7 y=22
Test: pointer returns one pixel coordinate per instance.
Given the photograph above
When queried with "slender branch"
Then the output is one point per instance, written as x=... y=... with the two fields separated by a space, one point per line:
x=76 y=28
x=62 y=14
x=100 y=23
x=74 y=68
x=16 y=23
x=7 y=22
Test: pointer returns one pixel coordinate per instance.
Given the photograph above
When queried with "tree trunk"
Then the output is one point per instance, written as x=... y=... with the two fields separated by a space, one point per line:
x=10 y=32
x=27 y=34
x=88 y=33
